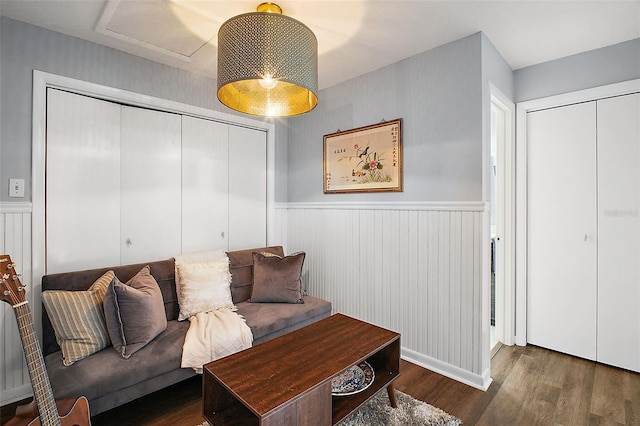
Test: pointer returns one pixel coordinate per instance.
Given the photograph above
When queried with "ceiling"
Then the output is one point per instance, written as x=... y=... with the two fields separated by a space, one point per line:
x=354 y=37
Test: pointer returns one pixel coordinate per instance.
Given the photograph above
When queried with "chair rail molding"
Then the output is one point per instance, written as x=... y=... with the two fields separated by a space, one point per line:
x=389 y=205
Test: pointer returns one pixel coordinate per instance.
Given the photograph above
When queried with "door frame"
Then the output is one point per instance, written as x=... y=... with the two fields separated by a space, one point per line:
x=505 y=219
x=521 y=254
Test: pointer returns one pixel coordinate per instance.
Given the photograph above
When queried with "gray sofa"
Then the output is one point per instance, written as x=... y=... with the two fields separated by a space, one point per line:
x=108 y=380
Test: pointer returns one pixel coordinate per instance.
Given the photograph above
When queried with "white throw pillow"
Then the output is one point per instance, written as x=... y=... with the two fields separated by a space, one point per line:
x=200 y=257
x=203 y=287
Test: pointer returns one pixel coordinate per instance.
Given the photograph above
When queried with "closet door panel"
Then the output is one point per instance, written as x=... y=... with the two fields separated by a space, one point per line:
x=247 y=188
x=82 y=182
x=150 y=168
x=561 y=229
x=205 y=184
x=619 y=231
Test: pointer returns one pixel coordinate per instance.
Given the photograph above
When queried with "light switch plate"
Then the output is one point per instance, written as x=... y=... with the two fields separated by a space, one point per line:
x=16 y=188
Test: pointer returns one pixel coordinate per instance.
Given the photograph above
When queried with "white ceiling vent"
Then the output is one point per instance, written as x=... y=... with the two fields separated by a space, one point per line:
x=160 y=25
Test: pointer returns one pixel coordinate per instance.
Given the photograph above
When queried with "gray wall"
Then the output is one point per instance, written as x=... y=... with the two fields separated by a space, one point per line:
x=438 y=95
x=24 y=48
x=608 y=65
x=496 y=70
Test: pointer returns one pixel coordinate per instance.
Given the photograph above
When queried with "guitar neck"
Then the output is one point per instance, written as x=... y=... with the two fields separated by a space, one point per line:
x=42 y=392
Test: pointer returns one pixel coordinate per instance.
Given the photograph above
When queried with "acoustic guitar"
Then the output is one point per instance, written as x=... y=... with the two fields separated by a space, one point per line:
x=44 y=410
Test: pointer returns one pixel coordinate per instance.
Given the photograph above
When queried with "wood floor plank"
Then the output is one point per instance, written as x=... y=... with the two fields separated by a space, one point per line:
x=475 y=403
x=574 y=401
x=631 y=414
x=507 y=404
x=608 y=402
x=473 y=407
x=539 y=407
x=632 y=404
x=595 y=420
x=555 y=368
x=502 y=363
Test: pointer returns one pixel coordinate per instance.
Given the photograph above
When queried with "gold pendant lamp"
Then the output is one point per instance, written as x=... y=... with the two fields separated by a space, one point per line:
x=267 y=64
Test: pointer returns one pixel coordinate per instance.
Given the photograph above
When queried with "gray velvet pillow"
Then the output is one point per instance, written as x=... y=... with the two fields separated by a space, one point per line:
x=277 y=279
x=134 y=312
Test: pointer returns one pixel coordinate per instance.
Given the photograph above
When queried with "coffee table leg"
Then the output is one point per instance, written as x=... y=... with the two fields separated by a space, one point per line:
x=392 y=396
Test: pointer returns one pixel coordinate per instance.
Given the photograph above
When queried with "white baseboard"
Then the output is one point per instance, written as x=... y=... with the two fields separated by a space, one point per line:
x=478 y=381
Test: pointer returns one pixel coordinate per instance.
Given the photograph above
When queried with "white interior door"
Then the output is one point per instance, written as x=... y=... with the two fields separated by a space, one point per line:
x=150 y=168
x=205 y=184
x=619 y=231
x=82 y=182
x=247 y=188
x=561 y=229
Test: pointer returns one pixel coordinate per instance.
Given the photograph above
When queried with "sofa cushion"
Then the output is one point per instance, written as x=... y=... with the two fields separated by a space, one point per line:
x=277 y=279
x=241 y=268
x=203 y=287
x=78 y=319
x=106 y=372
x=272 y=319
x=134 y=312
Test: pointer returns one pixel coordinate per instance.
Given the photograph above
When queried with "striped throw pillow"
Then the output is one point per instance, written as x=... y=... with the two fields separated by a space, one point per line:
x=78 y=319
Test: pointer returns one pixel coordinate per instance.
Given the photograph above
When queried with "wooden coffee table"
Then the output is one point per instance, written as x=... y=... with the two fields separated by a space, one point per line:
x=287 y=380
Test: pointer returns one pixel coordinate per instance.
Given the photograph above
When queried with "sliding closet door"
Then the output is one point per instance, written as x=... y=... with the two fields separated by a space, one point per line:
x=150 y=168
x=82 y=182
x=619 y=231
x=205 y=184
x=247 y=188
x=561 y=232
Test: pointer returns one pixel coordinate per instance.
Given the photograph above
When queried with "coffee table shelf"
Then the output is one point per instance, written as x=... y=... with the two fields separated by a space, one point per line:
x=343 y=406
x=287 y=380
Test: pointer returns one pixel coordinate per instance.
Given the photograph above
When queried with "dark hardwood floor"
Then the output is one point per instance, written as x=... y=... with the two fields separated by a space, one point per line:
x=531 y=386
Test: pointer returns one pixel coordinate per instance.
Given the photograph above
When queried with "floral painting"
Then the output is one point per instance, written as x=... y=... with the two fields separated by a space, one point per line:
x=366 y=159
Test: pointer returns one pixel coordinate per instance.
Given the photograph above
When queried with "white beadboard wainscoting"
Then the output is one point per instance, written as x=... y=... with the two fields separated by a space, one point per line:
x=415 y=268
x=15 y=240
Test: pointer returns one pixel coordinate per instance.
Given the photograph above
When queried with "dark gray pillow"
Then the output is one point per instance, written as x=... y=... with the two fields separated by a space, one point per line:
x=277 y=279
x=134 y=312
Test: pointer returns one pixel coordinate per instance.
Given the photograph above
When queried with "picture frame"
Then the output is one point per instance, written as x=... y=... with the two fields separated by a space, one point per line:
x=364 y=159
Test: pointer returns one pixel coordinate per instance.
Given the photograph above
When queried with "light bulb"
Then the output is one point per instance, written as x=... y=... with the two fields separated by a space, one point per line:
x=267 y=82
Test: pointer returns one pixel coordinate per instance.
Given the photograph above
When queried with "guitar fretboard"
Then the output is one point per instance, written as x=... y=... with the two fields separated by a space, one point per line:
x=42 y=392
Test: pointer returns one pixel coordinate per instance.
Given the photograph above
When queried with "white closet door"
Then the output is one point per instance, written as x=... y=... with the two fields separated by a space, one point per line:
x=150 y=185
x=247 y=188
x=205 y=184
x=619 y=231
x=82 y=182
x=561 y=237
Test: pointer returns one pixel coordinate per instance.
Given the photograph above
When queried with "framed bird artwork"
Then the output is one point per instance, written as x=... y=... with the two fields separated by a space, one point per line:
x=365 y=159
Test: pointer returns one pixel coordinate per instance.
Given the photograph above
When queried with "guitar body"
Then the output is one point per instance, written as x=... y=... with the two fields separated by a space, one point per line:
x=72 y=412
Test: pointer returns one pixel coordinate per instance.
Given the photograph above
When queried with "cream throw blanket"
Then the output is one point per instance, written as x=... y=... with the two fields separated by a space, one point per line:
x=213 y=335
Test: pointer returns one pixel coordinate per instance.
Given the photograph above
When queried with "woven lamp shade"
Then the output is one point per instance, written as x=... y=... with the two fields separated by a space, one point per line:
x=267 y=65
